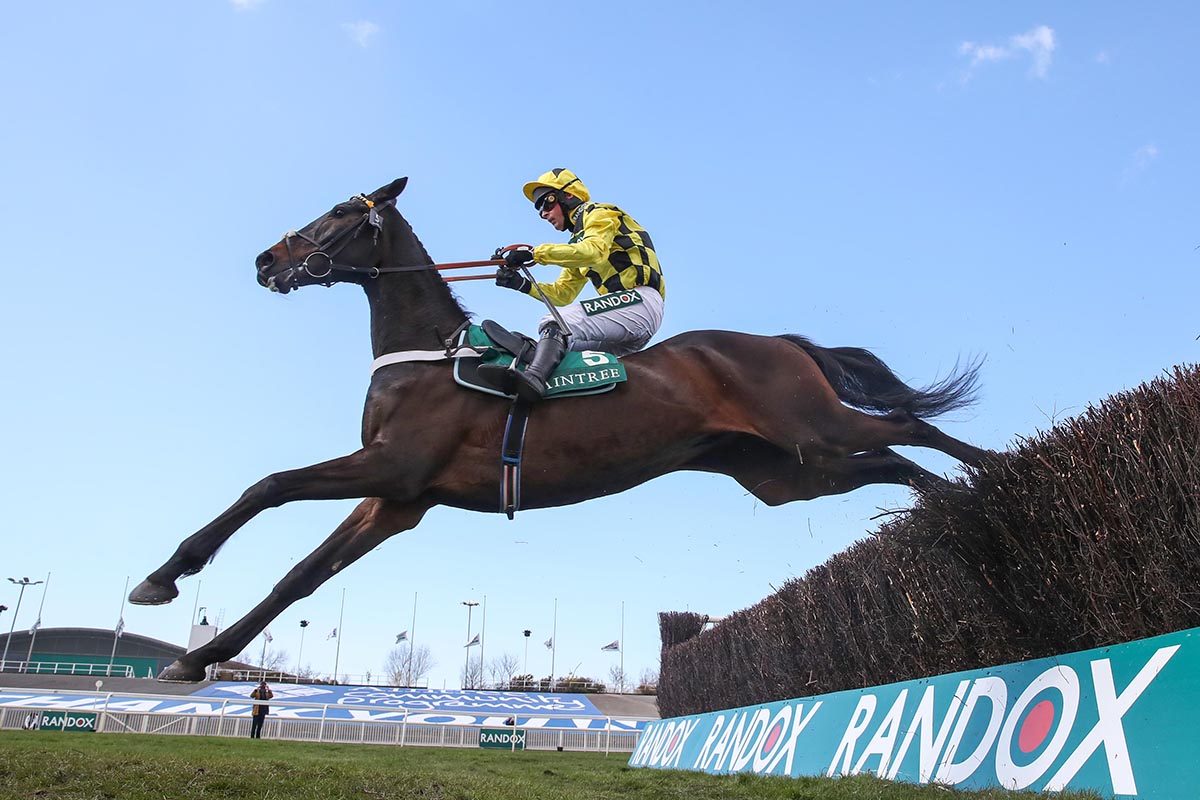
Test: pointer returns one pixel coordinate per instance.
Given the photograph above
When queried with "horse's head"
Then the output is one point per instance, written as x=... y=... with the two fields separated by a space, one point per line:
x=346 y=244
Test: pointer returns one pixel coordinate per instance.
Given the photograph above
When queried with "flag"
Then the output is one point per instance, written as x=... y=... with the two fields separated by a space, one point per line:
x=473 y=642
x=402 y=636
x=36 y=625
x=332 y=635
x=549 y=643
x=614 y=645
x=120 y=626
x=267 y=635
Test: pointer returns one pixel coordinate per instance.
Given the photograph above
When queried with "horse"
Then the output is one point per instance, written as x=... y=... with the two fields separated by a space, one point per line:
x=785 y=418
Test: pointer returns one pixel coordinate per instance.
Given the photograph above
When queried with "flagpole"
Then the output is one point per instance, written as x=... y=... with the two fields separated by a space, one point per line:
x=196 y=605
x=37 y=624
x=337 y=656
x=482 y=639
x=553 y=643
x=412 y=638
x=622 y=644
x=120 y=626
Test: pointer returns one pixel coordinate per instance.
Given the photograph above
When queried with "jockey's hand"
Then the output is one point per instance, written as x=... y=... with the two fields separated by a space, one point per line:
x=515 y=259
x=511 y=279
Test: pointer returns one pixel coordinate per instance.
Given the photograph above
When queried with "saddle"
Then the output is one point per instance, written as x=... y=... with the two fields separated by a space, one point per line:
x=517 y=345
x=580 y=373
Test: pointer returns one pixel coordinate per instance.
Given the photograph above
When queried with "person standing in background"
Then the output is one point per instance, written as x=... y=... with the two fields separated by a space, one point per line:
x=260 y=710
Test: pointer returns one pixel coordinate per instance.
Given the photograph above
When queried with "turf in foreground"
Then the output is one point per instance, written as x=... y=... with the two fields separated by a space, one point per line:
x=50 y=766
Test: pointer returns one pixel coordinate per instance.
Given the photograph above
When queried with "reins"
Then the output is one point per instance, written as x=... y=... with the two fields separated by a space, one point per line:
x=328 y=249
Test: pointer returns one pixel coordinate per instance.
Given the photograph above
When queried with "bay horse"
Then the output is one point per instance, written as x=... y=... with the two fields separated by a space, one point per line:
x=787 y=419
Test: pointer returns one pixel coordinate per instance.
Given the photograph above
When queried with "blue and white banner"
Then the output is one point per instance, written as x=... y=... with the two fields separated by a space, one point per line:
x=450 y=701
x=1119 y=720
x=364 y=703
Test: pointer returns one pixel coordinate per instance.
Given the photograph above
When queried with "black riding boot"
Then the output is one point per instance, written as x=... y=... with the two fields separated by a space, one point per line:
x=530 y=385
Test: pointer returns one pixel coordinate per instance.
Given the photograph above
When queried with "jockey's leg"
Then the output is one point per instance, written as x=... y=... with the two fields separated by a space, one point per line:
x=530 y=385
x=619 y=331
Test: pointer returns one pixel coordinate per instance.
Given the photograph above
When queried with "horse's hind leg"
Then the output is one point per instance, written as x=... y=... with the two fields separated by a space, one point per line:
x=776 y=476
x=361 y=474
x=859 y=432
x=926 y=434
x=371 y=522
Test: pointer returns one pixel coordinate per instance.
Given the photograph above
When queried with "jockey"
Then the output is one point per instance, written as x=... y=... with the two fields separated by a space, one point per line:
x=608 y=248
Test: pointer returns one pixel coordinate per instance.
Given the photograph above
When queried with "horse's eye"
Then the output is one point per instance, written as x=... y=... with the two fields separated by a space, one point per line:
x=339 y=212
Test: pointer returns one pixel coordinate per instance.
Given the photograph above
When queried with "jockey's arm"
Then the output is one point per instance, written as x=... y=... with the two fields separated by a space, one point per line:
x=592 y=249
x=599 y=229
x=564 y=290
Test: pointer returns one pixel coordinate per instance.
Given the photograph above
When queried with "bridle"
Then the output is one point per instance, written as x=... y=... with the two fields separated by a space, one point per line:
x=325 y=252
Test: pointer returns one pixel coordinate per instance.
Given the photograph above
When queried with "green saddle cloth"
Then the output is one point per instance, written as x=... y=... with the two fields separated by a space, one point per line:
x=579 y=373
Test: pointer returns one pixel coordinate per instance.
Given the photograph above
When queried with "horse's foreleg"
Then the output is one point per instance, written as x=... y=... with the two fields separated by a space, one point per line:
x=373 y=521
x=360 y=474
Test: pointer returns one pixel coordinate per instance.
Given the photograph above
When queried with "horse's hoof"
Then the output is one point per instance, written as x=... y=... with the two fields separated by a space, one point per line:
x=178 y=672
x=148 y=593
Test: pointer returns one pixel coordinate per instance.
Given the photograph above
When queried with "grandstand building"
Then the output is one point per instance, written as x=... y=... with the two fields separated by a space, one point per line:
x=89 y=651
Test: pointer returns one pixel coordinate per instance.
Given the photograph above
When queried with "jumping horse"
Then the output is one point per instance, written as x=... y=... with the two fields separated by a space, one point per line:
x=787 y=419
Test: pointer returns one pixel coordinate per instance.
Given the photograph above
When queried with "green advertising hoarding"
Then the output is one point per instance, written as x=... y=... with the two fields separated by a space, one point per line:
x=70 y=721
x=1118 y=720
x=502 y=738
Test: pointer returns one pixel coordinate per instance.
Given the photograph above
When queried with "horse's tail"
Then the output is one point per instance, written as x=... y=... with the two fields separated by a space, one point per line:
x=862 y=380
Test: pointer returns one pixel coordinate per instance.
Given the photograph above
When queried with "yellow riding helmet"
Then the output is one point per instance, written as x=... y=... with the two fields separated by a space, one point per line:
x=557 y=179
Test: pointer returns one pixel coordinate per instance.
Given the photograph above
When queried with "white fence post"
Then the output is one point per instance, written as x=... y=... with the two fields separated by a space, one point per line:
x=103 y=713
x=321 y=730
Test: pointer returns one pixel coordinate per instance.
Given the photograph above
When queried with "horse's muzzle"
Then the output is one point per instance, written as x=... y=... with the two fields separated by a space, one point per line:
x=264 y=262
x=277 y=282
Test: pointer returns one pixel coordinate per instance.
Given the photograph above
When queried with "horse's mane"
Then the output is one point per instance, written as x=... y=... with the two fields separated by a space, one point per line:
x=414 y=241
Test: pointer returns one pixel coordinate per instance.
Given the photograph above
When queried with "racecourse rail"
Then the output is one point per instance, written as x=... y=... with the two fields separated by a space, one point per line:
x=611 y=737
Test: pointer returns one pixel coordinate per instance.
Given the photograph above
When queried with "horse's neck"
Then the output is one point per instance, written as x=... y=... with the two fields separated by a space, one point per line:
x=411 y=310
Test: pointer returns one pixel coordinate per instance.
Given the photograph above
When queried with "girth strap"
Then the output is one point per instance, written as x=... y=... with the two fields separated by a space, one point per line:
x=510 y=457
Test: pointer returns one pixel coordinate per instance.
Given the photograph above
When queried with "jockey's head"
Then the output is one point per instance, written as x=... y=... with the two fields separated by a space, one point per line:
x=556 y=194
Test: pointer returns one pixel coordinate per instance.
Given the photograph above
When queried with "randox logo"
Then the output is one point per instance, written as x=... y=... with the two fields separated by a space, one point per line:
x=606 y=302
x=67 y=721
x=1049 y=725
x=502 y=738
x=1029 y=734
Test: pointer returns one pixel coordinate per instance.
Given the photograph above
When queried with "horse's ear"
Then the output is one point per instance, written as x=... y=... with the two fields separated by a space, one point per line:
x=391 y=191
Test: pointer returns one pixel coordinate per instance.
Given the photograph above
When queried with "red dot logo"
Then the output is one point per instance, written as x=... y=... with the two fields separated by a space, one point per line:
x=1036 y=727
x=770 y=740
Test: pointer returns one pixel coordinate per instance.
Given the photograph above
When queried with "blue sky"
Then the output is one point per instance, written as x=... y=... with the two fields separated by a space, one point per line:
x=1016 y=182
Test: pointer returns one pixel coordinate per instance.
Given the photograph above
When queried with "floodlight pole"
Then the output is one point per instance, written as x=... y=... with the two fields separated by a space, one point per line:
x=22 y=583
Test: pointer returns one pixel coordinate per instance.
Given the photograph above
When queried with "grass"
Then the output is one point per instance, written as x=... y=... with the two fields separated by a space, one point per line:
x=51 y=766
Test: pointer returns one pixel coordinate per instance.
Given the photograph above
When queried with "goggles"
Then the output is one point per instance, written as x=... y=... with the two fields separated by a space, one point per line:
x=546 y=201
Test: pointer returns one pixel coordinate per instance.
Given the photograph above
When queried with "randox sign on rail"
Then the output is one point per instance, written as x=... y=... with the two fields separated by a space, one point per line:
x=1118 y=720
